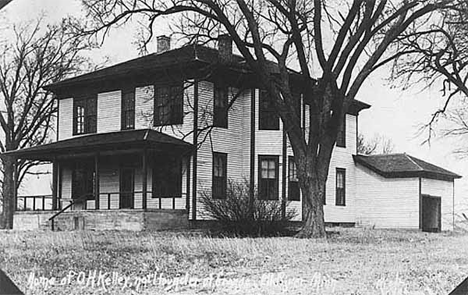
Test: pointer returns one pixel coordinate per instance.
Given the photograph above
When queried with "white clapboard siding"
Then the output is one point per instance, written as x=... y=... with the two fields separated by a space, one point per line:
x=108 y=111
x=341 y=158
x=386 y=202
x=268 y=143
x=234 y=140
x=144 y=115
x=65 y=118
x=443 y=189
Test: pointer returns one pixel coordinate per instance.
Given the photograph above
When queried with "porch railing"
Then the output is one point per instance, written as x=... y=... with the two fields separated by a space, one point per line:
x=34 y=203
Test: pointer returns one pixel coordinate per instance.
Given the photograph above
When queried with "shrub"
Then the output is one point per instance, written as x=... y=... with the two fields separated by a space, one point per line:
x=238 y=215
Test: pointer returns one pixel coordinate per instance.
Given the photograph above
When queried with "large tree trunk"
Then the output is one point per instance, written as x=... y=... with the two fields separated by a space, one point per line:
x=313 y=194
x=8 y=191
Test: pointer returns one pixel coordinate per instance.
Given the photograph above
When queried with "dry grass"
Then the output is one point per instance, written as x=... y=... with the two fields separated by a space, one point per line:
x=351 y=261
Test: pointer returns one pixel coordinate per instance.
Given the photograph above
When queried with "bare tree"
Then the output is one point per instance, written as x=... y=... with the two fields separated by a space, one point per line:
x=33 y=59
x=378 y=144
x=344 y=42
x=437 y=55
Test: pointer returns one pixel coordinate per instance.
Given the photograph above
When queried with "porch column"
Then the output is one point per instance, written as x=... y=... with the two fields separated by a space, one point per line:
x=144 y=179
x=54 y=183
x=96 y=180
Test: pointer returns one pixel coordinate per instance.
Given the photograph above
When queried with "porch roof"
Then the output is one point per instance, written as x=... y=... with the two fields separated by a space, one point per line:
x=404 y=166
x=120 y=140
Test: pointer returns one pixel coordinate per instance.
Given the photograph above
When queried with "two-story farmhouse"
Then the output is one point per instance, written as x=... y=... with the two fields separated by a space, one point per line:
x=139 y=142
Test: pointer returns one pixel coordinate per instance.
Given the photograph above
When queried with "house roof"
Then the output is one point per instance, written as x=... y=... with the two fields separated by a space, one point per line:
x=403 y=165
x=183 y=57
x=121 y=140
x=186 y=57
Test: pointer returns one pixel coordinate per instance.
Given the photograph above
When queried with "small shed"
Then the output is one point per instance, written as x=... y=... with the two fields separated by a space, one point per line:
x=401 y=191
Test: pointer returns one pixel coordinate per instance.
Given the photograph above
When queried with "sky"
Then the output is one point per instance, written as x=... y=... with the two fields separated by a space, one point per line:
x=395 y=113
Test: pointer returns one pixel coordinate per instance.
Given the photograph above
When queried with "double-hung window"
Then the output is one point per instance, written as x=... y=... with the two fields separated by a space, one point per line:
x=84 y=115
x=219 y=175
x=268 y=177
x=293 y=181
x=168 y=105
x=340 y=187
x=220 y=112
x=128 y=109
x=268 y=118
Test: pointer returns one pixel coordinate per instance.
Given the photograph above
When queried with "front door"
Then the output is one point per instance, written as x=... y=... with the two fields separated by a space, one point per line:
x=82 y=183
x=431 y=213
x=127 y=180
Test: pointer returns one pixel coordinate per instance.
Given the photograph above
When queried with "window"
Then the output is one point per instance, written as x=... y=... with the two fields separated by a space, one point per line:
x=220 y=114
x=83 y=180
x=168 y=105
x=268 y=178
x=269 y=120
x=167 y=177
x=84 y=115
x=219 y=175
x=293 y=181
x=340 y=187
x=128 y=109
x=341 y=137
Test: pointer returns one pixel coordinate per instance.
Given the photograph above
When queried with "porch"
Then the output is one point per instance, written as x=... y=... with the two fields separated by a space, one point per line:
x=100 y=175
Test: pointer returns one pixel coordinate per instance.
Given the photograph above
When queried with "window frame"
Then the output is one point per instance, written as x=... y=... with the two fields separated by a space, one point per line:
x=269 y=183
x=219 y=183
x=340 y=192
x=220 y=105
x=128 y=109
x=341 y=135
x=84 y=115
x=166 y=177
x=174 y=105
x=294 y=192
x=268 y=118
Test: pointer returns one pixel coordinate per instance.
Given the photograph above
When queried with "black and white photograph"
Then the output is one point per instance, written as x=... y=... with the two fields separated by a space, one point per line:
x=234 y=147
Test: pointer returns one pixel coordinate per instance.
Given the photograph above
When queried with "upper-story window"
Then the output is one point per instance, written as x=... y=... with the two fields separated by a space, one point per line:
x=168 y=105
x=341 y=137
x=128 y=109
x=268 y=178
x=84 y=115
x=220 y=112
x=268 y=117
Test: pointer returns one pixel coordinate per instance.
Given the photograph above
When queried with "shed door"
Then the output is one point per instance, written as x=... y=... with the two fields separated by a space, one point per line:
x=431 y=213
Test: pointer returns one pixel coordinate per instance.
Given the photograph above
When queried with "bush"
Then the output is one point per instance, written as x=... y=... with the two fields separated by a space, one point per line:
x=237 y=215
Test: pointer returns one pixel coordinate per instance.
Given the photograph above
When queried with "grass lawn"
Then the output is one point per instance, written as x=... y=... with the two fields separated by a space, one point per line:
x=351 y=261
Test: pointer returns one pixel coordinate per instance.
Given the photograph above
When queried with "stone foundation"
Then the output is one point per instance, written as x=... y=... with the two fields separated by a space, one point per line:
x=133 y=220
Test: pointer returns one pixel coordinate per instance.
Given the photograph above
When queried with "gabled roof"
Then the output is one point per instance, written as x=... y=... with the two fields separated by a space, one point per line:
x=403 y=165
x=96 y=142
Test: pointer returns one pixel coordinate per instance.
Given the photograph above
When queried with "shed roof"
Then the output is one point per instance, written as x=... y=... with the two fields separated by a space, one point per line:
x=404 y=166
x=102 y=142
